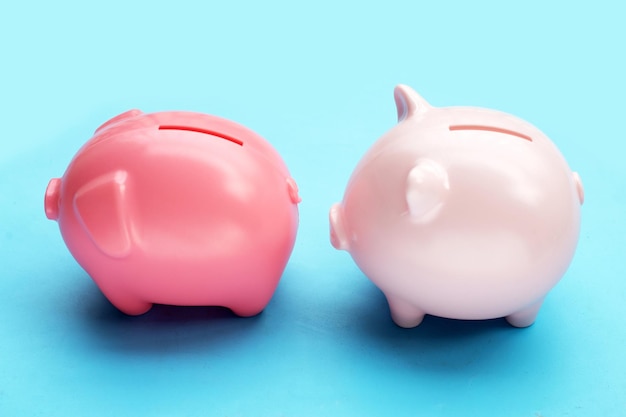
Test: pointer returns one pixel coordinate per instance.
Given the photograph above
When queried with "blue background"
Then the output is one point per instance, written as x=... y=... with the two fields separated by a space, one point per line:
x=316 y=80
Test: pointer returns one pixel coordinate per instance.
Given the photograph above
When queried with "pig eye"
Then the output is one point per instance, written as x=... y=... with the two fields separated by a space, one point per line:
x=204 y=131
x=491 y=129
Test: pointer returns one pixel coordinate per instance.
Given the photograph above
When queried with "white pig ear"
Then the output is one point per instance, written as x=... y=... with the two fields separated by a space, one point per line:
x=100 y=207
x=426 y=189
x=408 y=102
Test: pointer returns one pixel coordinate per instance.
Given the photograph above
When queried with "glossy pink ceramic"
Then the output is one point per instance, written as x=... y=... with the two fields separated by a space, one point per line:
x=460 y=212
x=178 y=208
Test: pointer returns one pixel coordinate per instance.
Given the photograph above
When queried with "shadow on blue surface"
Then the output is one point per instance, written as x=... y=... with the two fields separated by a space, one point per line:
x=440 y=344
x=163 y=329
x=357 y=320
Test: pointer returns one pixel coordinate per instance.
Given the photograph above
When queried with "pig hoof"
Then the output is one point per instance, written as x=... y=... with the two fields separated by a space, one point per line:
x=405 y=314
x=525 y=317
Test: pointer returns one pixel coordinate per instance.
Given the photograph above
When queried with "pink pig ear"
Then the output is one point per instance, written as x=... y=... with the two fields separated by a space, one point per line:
x=408 y=102
x=426 y=189
x=100 y=208
x=126 y=115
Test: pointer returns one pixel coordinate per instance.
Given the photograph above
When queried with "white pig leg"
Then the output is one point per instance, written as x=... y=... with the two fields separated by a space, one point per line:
x=526 y=316
x=403 y=313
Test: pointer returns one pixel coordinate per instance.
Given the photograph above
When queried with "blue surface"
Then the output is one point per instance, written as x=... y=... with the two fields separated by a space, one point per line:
x=316 y=80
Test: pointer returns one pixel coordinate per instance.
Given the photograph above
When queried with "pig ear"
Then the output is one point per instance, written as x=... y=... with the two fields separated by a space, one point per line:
x=426 y=189
x=408 y=102
x=126 y=115
x=100 y=207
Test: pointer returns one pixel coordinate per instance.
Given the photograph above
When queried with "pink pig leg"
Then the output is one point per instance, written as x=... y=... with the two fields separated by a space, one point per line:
x=251 y=306
x=134 y=307
x=247 y=311
x=126 y=302
x=403 y=313
x=526 y=316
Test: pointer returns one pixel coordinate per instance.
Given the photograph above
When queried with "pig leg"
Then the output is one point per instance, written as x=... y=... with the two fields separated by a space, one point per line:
x=247 y=310
x=125 y=301
x=134 y=307
x=403 y=313
x=526 y=316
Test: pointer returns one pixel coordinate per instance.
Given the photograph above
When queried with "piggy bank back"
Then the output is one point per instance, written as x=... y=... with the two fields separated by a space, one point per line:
x=178 y=208
x=462 y=213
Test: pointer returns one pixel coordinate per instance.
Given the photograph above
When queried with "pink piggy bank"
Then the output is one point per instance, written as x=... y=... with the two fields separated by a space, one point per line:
x=178 y=208
x=460 y=212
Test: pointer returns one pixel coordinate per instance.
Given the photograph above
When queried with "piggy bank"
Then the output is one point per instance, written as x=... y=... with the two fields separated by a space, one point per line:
x=178 y=208
x=460 y=212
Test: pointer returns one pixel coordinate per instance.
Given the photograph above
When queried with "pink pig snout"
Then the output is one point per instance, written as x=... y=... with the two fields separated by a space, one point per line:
x=51 y=200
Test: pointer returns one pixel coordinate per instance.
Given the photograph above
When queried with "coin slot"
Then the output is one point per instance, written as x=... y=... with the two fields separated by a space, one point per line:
x=204 y=131
x=491 y=129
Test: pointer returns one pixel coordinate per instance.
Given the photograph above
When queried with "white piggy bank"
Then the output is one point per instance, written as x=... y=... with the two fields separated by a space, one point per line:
x=460 y=212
